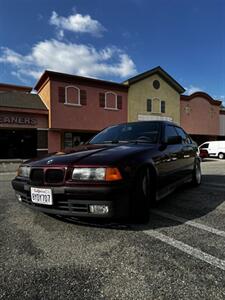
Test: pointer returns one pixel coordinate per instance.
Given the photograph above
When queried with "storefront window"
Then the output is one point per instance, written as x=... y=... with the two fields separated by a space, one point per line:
x=42 y=139
x=68 y=140
x=73 y=139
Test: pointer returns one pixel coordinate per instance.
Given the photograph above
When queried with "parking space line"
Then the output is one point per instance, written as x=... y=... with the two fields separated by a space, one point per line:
x=190 y=223
x=194 y=252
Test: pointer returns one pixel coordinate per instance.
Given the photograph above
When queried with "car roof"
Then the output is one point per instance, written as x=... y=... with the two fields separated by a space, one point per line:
x=213 y=142
x=151 y=121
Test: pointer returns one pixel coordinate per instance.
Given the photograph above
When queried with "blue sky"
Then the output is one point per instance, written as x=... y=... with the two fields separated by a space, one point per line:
x=115 y=40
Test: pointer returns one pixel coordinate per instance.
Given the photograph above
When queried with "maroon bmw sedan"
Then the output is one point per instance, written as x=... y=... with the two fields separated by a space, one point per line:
x=121 y=172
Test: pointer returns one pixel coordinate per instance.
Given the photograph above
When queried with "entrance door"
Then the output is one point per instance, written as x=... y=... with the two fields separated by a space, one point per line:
x=18 y=143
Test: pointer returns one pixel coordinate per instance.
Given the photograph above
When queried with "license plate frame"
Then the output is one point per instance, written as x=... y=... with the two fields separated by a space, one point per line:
x=41 y=196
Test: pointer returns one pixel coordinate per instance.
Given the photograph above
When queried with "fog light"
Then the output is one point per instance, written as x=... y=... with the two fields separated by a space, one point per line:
x=99 y=209
x=18 y=197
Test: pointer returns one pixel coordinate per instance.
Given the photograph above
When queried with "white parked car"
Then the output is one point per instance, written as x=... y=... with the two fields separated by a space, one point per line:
x=214 y=148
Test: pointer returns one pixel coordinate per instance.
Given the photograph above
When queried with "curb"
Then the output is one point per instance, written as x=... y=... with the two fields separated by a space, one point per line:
x=7 y=176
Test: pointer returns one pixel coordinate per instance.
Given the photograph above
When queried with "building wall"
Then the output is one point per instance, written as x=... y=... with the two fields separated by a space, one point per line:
x=54 y=141
x=199 y=115
x=222 y=123
x=89 y=117
x=45 y=94
x=142 y=90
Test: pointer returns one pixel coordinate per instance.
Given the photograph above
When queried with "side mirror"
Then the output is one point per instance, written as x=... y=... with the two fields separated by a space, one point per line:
x=174 y=140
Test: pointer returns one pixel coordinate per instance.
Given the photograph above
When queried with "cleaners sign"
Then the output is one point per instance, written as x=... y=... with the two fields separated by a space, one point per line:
x=17 y=120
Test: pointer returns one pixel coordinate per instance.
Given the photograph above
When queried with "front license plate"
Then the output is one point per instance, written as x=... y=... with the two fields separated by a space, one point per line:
x=41 y=196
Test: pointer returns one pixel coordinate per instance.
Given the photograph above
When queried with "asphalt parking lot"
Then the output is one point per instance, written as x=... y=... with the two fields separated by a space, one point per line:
x=179 y=254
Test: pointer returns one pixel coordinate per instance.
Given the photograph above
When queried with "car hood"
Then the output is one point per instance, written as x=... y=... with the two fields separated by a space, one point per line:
x=93 y=155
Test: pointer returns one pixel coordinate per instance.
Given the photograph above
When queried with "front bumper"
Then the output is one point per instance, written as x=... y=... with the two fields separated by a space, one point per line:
x=75 y=201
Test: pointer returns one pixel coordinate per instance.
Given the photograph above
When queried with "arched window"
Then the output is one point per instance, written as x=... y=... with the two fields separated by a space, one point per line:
x=111 y=100
x=72 y=95
x=156 y=105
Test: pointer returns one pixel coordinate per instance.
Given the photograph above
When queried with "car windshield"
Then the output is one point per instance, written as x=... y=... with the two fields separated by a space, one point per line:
x=145 y=132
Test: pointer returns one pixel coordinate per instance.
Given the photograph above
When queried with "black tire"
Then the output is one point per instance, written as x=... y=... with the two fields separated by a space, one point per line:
x=196 y=174
x=221 y=155
x=143 y=197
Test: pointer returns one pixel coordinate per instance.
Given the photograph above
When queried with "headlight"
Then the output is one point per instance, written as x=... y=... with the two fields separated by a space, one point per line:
x=23 y=171
x=98 y=174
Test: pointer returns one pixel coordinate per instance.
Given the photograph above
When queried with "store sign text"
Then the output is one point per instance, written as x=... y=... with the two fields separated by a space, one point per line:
x=18 y=120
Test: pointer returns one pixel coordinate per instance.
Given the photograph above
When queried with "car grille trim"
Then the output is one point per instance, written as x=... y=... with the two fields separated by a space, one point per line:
x=37 y=176
x=42 y=176
x=54 y=176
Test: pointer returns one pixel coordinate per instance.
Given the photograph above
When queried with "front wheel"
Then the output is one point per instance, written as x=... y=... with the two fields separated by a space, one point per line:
x=196 y=174
x=143 y=197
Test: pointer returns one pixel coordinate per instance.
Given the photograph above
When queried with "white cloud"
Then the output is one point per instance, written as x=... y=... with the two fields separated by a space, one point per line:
x=10 y=56
x=70 y=58
x=77 y=23
x=192 y=89
x=220 y=98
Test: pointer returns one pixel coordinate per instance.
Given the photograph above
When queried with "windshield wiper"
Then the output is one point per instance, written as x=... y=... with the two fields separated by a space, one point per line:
x=144 y=141
x=141 y=141
x=113 y=142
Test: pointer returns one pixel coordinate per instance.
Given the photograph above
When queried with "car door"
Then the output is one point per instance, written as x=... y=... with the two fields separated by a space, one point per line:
x=171 y=155
x=188 y=153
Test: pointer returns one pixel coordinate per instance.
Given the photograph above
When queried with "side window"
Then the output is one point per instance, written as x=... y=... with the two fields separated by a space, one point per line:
x=205 y=146
x=149 y=105
x=186 y=139
x=170 y=131
x=163 y=106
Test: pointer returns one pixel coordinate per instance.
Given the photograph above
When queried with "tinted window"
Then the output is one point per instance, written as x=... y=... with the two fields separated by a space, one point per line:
x=204 y=146
x=186 y=139
x=170 y=131
x=145 y=131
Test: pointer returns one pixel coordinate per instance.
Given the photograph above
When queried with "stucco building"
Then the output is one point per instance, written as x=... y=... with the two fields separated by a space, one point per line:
x=68 y=109
x=222 y=123
x=154 y=95
x=200 y=116
x=79 y=107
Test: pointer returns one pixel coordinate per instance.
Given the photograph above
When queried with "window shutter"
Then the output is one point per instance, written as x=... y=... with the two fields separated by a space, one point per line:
x=83 y=97
x=119 y=102
x=61 y=92
x=101 y=99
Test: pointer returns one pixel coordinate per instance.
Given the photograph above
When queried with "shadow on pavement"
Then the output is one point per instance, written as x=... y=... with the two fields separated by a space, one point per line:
x=186 y=202
x=205 y=160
